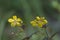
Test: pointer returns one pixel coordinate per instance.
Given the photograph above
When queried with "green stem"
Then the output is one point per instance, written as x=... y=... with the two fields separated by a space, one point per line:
x=46 y=32
x=53 y=35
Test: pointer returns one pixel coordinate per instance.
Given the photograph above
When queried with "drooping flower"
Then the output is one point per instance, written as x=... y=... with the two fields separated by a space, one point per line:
x=39 y=21
x=14 y=21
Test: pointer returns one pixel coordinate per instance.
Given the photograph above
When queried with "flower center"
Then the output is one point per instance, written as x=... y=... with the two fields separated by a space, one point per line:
x=15 y=22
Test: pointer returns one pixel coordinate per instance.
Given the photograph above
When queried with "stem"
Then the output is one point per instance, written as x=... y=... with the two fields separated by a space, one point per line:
x=53 y=35
x=46 y=32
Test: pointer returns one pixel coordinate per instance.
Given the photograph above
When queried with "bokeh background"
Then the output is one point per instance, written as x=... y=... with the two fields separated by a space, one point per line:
x=27 y=10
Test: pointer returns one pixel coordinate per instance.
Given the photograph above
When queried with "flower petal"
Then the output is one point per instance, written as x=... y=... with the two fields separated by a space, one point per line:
x=15 y=17
x=33 y=23
x=10 y=20
x=18 y=24
x=38 y=18
x=40 y=25
x=13 y=25
x=18 y=19
x=45 y=21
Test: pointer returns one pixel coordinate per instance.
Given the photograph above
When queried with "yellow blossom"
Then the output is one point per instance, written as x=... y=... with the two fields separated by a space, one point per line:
x=39 y=21
x=15 y=21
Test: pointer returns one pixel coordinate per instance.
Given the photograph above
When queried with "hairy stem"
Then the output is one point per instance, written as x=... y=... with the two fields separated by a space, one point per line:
x=53 y=35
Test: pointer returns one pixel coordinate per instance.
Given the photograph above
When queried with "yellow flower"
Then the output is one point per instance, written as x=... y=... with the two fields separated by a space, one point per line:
x=15 y=21
x=39 y=21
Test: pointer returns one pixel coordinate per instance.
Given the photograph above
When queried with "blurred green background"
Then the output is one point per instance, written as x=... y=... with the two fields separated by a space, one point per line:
x=27 y=10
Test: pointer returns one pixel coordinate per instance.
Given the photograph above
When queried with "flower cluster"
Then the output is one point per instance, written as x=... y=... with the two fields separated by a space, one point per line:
x=15 y=21
x=39 y=21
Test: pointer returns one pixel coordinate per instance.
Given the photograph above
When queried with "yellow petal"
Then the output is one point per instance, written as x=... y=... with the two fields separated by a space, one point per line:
x=15 y=17
x=10 y=20
x=33 y=23
x=38 y=18
x=13 y=25
x=40 y=25
x=18 y=24
x=18 y=19
x=45 y=21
